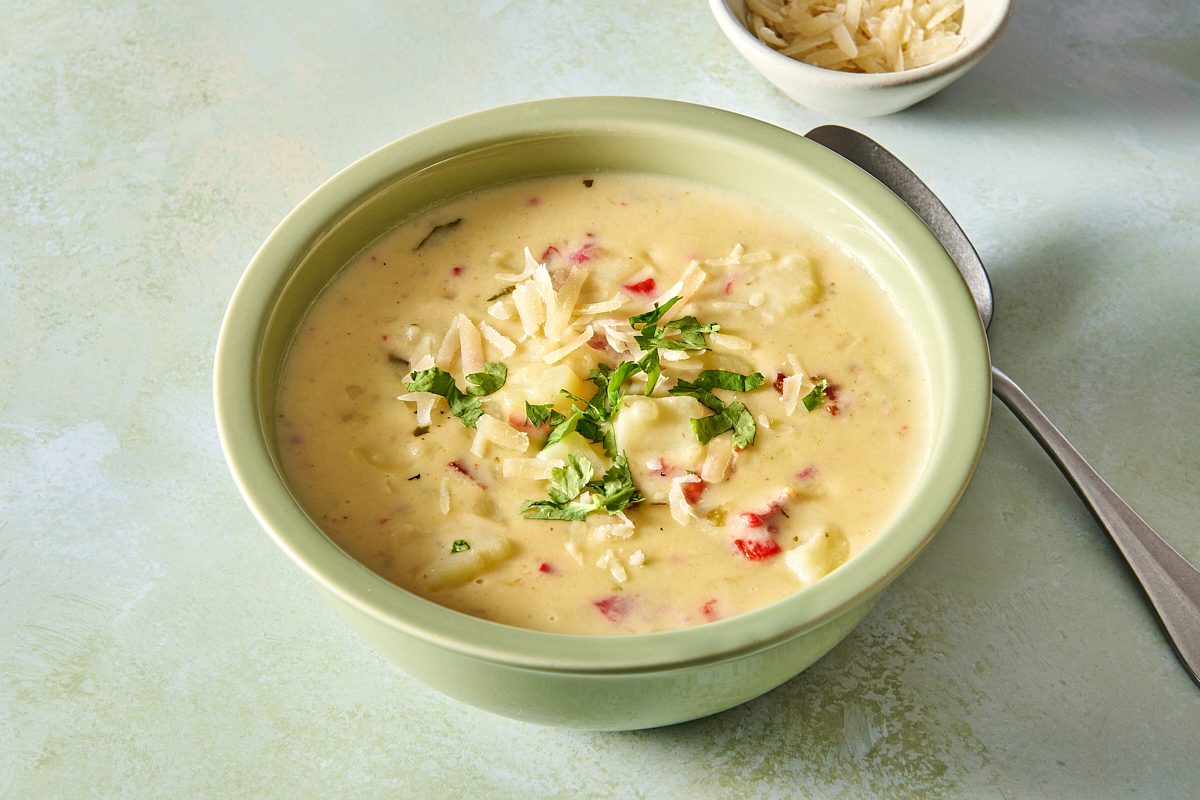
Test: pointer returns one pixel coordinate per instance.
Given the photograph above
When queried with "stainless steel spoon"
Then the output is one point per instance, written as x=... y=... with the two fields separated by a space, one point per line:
x=1171 y=584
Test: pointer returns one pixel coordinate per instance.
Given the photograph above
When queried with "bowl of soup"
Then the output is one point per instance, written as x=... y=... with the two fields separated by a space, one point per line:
x=605 y=413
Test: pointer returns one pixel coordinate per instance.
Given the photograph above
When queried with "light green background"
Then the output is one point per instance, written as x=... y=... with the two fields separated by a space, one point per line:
x=154 y=643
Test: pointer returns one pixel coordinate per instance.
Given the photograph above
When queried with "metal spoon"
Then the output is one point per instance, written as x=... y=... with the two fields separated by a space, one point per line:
x=1171 y=584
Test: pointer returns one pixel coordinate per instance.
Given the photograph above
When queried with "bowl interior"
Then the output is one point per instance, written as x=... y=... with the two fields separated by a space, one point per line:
x=721 y=149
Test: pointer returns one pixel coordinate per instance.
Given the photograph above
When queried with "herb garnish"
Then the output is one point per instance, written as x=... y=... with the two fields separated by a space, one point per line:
x=729 y=416
x=685 y=333
x=459 y=546
x=502 y=293
x=465 y=405
x=445 y=226
x=613 y=492
x=816 y=396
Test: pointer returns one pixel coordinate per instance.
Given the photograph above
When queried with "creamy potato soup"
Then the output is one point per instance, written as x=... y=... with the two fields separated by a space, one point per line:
x=602 y=404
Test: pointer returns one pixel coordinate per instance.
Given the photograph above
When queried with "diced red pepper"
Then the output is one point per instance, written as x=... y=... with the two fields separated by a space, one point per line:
x=548 y=253
x=461 y=469
x=709 y=610
x=779 y=379
x=581 y=254
x=727 y=289
x=645 y=286
x=546 y=568
x=457 y=270
x=693 y=491
x=614 y=607
x=807 y=474
x=757 y=549
x=752 y=520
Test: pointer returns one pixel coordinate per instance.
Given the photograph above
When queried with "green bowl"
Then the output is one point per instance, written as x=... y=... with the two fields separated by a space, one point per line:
x=601 y=682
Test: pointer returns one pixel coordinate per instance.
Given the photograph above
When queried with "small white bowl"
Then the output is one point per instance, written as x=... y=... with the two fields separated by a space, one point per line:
x=858 y=94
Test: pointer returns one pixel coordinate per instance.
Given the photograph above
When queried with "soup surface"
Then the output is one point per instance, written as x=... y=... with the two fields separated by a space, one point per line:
x=602 y=404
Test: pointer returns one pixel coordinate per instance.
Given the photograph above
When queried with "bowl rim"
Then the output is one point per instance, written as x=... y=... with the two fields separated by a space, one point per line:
x=970 y=51
x=243 y=438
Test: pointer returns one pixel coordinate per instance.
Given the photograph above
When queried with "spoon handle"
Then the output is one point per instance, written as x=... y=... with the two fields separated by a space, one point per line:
x=1171 y=584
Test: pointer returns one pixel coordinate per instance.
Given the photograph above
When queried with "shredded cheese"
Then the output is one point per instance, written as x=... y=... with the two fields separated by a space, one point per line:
x=531 y=264
x=470 y=345
x=500 y=310
x=537 y=469
x=582 y=338
x=725 y=341
x=859 y=35
x=449 y=347
x=602 y=307
x=681 y=509
x=498 y=340
x=718 y=460
x=558 y=312
x=502 y=434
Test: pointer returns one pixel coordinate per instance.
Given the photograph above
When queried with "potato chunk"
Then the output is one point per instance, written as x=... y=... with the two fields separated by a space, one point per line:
x=656 y=434
x=784 y=287
x=539 y=384
x=818 y=555
x=487 y=549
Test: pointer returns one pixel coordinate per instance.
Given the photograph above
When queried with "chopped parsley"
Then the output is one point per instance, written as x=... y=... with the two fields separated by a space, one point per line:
x=507 y=290
x=816 y=396
x=728 y=416
x=612 y=492
x=685 y=333
x=459 y=546
x=445 y=226
x=539 y=415
x=465 y=405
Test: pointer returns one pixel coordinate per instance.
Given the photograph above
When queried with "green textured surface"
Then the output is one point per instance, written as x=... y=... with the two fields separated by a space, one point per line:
x=154 y=643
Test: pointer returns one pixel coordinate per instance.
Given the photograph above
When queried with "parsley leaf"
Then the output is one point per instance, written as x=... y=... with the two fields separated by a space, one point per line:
x=466 y=406
x=492 y=378
x=616 y=488
x=728 y=417
x=437 y=229
x=459 y=546
x=560 y=426
x=684 y=388
x=568 y=482
x=816 y=396
x=539 y=415
x=507 y=290
x=744 y=427
x=735 y=417
x=613 y=492
x=652 y=317
x=685 y=333
x=734 y=381
x=653 y=370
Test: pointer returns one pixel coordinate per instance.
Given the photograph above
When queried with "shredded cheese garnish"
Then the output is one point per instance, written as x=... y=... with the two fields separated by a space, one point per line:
x=727 y=342
x=681 y=509
x=496 y=339
x=470 y=345
x=537 y=469
x=502 y=434
x=580 y=339
x=500 y=310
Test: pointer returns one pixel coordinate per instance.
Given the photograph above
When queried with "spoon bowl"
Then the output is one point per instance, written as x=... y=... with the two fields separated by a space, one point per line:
x=1171 y=584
